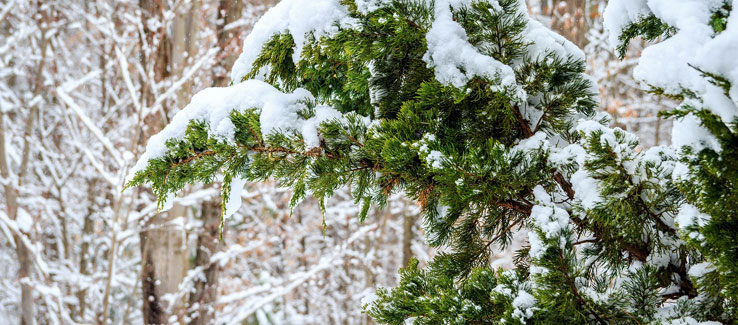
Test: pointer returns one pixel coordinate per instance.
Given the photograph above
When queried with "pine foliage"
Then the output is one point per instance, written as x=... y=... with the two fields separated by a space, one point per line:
x=706 y=167
x=485 y=154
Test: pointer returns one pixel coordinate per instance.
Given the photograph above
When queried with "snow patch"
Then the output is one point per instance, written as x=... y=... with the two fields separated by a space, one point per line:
x=454 y=60
x=689 y=216
x=586 y=189
x=523 y=305
x=296 y=17
x=700 y=269
x=537 y=247
x=621 y=13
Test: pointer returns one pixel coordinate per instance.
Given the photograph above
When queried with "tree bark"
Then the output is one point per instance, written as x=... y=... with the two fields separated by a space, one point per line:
x=24 y=275
x=201 y=302
x=87 y=227
x=11 y=190
x=184 y=30
x=569 y=18
x=163 y=262
x=208 y=243
x=228 y=41
x=407 y=238
x=24 y=261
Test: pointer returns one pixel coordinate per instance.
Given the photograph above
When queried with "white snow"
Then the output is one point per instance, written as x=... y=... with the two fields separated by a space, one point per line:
x=297 y=17
x=24 y=221
x=369 y=298
x=718 y=54
x=541 y=195
x=588 y=127
x=435 y=159
x=533 y=143
x=523 y=305
x=551 y=220
x=586 y=189
x=689 y=215
x=544 y=40
x=688 y=131
x=700 y=269
x=310 y=127
x=691 y=321
x=547 y=216
x=668 y=64
x=449 y=52
x=569 y=154
x=621 y=13
x=441 y=211
x=537 y=247
x=234 y=199
x=366 y=6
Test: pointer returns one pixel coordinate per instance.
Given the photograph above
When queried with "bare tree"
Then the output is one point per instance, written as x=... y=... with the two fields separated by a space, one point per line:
x=12 y=185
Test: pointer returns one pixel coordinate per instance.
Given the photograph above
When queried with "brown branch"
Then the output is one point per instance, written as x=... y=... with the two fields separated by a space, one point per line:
x=424 y=195
x=565 y=185
x=387 y=188
x=508 y=228
x=585 y=241
x=522 y=122
x=516 y=206
x=686 y=287
x=355 y=141
x=414 y=24
x=314 y=152
x=187 y=160
x=255 y=136
x=638 y=253
x=191 y=158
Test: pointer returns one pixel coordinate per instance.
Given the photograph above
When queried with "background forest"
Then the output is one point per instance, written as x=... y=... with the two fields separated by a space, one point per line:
x=83 y=84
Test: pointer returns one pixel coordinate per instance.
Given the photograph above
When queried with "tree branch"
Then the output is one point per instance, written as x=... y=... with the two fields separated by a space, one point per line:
x=575 y=291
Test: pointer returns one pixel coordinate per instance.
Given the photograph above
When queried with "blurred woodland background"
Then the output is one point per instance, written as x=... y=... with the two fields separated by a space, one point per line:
x=84 y=84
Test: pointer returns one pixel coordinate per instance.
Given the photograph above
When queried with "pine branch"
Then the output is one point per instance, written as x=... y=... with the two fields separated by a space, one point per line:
x=575 y=291
x=598 y=230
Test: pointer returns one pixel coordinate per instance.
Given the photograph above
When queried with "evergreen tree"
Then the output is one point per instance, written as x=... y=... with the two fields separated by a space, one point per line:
x=485 y=118
x=694 y=63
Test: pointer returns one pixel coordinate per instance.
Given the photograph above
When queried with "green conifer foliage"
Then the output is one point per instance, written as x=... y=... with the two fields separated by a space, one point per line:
x=494 y=136
x=706 y=175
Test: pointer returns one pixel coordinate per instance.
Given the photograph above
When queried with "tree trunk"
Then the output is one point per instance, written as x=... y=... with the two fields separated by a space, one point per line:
x=164 y=263
x=24 y=261
x=162 y=242
x=569 y=18
x=184 y=29
x=228 y=41
x=208 y=243
x=407 y=238
x=24 y=276
x=208 y=239
x=11 y=190
x=87 y=228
